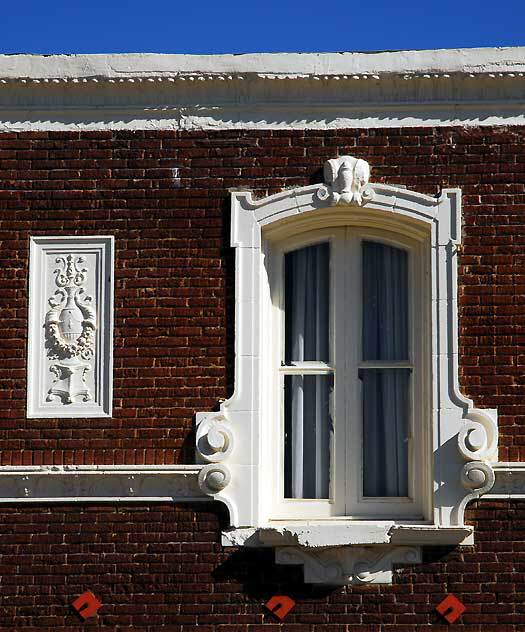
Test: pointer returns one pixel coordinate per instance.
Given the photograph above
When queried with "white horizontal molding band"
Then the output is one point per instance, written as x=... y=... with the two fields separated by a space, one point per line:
x=510 y=481
x=177 y=483
x=317 y=117
x=96 y=483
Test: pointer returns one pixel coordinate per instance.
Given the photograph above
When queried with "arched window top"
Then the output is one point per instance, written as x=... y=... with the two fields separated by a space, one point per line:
x=372 y=205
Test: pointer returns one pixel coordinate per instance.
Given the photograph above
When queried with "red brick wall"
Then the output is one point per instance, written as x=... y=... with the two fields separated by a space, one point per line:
x=161 y=568
x=174 y=273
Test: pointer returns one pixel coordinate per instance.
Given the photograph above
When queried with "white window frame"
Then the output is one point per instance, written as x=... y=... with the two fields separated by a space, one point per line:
x=345 y=244
x=238 y=441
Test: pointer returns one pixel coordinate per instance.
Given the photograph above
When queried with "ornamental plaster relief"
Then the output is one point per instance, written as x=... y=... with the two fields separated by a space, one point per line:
x=358 y=565
x=345 y=181
x=214 y=437
x=214 y=444
x=70 y=322
x=70 y=327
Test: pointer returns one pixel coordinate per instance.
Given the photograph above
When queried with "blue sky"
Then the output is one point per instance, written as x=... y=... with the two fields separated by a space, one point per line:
x=221 y=26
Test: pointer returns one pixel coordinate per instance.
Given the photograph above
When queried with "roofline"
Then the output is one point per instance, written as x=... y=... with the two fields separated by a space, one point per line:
x=468 y=86
x=467 y=61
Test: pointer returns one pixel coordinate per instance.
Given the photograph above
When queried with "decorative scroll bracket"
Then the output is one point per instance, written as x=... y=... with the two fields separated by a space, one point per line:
x=214 y=437
x=358 y=565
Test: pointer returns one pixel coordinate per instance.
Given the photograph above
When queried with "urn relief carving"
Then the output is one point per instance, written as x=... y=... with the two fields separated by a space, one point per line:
x=70 y=326
x=70 y=329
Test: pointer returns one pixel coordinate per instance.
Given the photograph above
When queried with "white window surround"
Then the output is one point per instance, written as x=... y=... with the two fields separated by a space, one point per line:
x=236 y=441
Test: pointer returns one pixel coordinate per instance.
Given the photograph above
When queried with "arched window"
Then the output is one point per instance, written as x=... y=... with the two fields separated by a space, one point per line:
x=348 y=309
x=346 y=426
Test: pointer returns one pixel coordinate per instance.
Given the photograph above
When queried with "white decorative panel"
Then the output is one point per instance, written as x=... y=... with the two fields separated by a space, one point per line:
x=70 y=338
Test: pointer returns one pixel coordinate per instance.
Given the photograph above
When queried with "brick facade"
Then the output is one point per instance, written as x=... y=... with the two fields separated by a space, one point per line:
x=161 y=568
x=164 y=196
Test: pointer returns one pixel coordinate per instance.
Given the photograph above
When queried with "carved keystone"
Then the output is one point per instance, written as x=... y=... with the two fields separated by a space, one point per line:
x=346 y=179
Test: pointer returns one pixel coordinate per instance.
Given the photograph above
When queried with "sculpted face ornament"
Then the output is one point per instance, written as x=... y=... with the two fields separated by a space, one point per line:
x=345 y=181
x=70 y=332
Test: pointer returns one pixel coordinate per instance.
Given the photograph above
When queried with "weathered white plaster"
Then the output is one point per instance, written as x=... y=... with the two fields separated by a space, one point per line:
x=95 y=483
x=316 y=534
x=128 y=65
x=263 y=91
x=510 y=481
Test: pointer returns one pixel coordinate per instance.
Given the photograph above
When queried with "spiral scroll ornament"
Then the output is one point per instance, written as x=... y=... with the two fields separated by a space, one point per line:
x=478 y=477
x=370 y=568
x=214 y=439
x=214 y=478
x=478 y=437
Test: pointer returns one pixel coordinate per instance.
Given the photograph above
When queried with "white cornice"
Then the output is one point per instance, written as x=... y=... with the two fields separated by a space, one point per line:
x=312 y=90
x=122 y=66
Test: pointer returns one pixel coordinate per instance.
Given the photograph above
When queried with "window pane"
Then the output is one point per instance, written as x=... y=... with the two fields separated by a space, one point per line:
x=307 y=281
x=385 y=302
x=308 y=435
x=385 y=431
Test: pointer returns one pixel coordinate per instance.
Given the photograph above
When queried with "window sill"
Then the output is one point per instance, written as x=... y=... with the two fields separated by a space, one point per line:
x=341 y=554
x=324 y=534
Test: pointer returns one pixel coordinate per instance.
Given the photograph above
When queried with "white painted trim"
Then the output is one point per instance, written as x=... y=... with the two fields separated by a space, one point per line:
x=100 y=483
x=263 y=91
x=52 y=483
x=318 y=116
x=146 y=65
x=509 y=483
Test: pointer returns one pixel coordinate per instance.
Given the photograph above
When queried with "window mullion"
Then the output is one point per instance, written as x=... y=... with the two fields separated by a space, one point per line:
x=351 y=326
x=338 y=359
